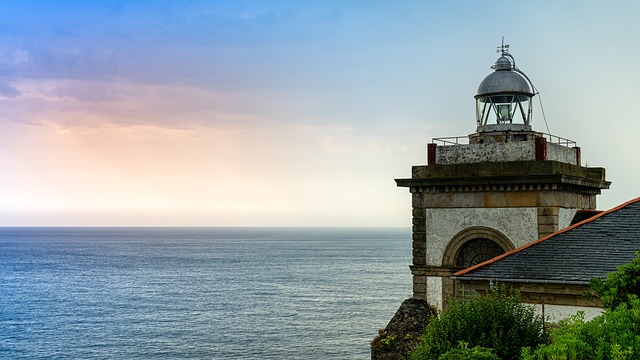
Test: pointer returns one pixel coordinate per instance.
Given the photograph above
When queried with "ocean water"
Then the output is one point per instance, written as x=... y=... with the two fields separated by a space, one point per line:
x=198 y=293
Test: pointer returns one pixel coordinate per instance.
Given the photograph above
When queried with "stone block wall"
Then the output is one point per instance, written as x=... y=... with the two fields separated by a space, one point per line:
x=522 y=190
x=503 y=152
x=563 y=154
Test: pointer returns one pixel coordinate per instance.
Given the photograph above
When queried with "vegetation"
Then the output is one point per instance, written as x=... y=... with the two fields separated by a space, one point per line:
x=464 y=353
x=613 y=335
x=383 y=342
x=620 y=286
x=498 y=326
x=497 y=321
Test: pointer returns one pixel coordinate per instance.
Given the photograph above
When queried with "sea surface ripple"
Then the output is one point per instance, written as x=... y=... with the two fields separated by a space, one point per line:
x=198 y=293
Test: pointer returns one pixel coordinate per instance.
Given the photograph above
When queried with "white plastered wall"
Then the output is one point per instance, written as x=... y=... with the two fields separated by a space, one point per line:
x=565 y=216
x=555 y=313
x=434 y=291
x=520 y=225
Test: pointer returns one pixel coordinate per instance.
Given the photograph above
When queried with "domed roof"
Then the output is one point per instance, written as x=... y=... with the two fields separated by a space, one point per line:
x=504 y=80
x=503 y=63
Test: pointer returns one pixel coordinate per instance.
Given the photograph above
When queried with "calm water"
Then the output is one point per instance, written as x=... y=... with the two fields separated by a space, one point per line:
x=93 y=293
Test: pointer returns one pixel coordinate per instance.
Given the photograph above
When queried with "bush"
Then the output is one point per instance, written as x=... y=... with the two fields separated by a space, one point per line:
x=498 y=321
x=613 y=335
x=620 y=286
x=464 y=353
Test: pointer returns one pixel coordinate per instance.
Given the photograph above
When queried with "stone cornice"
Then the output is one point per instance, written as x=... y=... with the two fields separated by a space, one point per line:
x=507 y=176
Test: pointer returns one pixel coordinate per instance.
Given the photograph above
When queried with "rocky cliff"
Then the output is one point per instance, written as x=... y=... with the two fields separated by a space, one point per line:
x=400 y=337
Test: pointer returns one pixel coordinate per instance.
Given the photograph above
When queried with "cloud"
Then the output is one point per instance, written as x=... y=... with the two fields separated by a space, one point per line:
x=94 y=103
x=6 y=90
x=56 y=63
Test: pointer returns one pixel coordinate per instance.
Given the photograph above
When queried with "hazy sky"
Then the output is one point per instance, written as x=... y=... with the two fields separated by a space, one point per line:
x=285 y=113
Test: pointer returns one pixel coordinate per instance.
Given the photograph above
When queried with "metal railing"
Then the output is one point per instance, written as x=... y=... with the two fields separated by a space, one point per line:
x=451 y=140
x=558 y=140
x=464 y=140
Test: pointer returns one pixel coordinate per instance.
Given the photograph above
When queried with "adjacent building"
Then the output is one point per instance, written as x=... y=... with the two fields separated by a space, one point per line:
x=553 y=272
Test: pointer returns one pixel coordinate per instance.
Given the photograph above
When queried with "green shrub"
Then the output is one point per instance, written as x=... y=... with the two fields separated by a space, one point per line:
x=613 y=335
x=620 y=286
x=464 y=353
x=498 y=321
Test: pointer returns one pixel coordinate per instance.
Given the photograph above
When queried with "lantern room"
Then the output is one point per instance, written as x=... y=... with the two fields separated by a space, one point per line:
x=503 y=100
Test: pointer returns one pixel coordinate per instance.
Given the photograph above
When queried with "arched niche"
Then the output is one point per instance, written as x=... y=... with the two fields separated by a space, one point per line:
x=474 y=245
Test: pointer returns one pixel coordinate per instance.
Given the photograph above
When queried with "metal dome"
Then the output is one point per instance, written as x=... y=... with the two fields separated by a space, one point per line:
x=503 y=63
x=504 y=80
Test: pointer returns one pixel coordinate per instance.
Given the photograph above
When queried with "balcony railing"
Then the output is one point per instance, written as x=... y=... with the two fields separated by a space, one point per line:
x=558 y=140
x=464 y=140
x=451 y=140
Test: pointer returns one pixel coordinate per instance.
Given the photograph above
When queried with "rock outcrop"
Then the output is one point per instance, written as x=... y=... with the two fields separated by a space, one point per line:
x=400 y=337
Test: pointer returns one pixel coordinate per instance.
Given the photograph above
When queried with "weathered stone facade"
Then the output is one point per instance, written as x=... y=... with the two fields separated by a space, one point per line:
x=505 y=192
x=505 y=151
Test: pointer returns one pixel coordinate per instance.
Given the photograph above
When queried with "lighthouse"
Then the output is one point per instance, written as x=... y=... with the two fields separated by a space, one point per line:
x=499 y=188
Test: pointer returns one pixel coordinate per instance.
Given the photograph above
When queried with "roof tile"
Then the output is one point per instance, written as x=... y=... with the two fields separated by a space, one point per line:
x=591 y=248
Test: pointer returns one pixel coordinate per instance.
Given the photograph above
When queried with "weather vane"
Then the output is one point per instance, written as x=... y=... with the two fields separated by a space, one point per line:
x=504 y=49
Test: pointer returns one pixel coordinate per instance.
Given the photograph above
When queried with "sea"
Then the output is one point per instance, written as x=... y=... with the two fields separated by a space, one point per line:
x=199 y=293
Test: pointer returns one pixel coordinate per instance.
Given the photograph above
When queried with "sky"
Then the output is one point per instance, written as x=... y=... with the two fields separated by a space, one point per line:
x=285 y=113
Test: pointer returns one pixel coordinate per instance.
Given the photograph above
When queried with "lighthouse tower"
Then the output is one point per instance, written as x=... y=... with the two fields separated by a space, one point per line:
x=499 y=188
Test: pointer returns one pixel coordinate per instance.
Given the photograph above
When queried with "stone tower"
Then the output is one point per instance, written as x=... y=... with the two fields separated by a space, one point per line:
x=494 y=190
